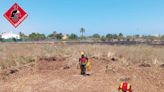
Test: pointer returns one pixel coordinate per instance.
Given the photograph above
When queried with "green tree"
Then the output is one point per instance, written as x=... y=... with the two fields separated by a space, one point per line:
x=73 y=36
x=37 y=36
x=109 y=37
x=115 y=36
x=103 y=38
x=55 y=35
x=82 y=30
x=59 y=36
x=96 y=35
x=120 y=35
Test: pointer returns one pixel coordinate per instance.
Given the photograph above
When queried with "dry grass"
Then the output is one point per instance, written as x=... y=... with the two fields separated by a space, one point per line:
x=20 y=54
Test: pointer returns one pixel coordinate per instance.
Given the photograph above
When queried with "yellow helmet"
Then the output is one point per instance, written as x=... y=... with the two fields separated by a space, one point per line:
x=82 y=53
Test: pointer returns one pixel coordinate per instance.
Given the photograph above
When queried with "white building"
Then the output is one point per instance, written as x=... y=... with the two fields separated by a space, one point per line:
x=8 y=35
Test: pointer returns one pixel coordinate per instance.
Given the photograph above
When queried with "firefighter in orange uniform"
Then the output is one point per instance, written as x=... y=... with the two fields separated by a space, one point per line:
x=125 y=87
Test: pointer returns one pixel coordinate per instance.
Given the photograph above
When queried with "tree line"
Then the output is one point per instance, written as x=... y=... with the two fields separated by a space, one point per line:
x=95 y=37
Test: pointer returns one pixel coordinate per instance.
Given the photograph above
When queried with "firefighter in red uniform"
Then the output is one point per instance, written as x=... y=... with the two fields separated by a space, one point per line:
x=125 y=87
x=83 y=60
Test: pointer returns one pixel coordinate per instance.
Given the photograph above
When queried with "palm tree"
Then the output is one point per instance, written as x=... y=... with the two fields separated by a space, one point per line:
x=82 y=30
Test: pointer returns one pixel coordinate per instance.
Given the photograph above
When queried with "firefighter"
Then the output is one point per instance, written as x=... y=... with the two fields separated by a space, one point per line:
x=83 y=61
x=125 y=87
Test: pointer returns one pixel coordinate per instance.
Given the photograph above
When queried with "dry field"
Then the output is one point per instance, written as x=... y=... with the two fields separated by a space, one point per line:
x=54 y=68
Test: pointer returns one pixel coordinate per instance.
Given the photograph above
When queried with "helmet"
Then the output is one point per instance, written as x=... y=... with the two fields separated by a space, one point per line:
x=82 y=53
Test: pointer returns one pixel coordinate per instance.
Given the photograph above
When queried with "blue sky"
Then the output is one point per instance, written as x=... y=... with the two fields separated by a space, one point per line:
x=96 y=16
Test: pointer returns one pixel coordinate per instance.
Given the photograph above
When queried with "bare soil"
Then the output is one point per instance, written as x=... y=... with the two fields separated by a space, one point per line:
x=54 y=74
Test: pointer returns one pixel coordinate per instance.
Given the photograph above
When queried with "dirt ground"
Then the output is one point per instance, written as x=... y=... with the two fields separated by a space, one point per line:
x=55 y=74
x=52 y=75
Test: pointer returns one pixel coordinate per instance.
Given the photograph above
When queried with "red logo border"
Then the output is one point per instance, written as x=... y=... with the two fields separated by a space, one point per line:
x=19 y=22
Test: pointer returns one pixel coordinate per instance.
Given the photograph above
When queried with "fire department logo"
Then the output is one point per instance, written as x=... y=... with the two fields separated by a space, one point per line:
x=15 y=15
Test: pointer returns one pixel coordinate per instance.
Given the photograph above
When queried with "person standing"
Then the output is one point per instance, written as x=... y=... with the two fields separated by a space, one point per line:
x=83 y=61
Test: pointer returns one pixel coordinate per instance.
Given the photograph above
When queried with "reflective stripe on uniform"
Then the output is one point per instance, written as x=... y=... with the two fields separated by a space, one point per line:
x=128 y=87
x=121 y=85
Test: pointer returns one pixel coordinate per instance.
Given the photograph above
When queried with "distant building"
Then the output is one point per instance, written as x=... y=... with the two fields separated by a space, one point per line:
x=65 y=37
x=8 y=35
